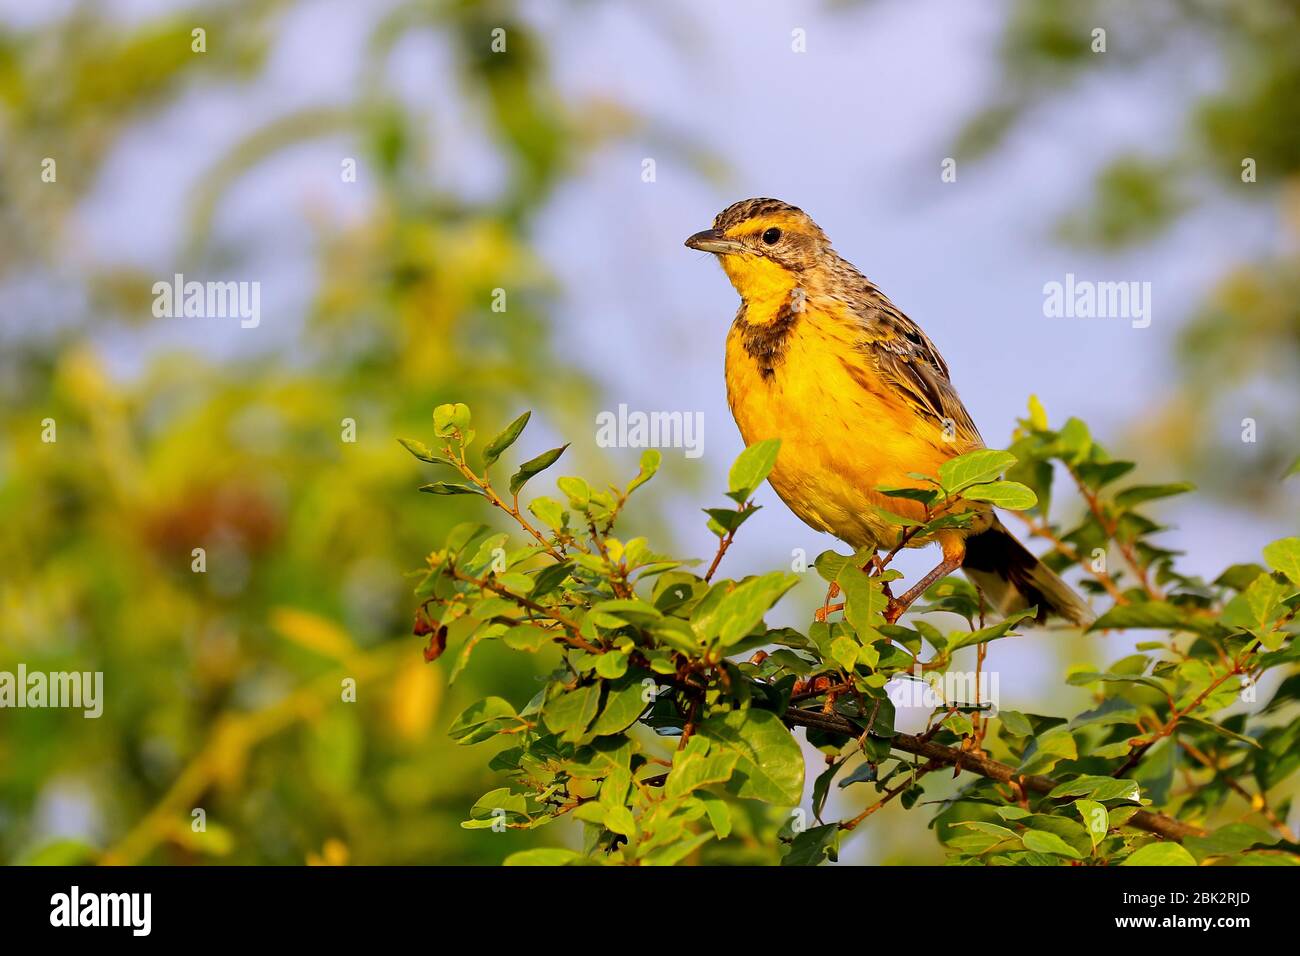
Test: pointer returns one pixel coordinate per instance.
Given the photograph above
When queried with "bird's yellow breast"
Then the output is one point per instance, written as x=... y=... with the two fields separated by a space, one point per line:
x=843 y=432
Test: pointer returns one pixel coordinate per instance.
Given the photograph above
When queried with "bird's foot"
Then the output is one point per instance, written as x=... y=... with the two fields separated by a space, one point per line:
x=824 y=611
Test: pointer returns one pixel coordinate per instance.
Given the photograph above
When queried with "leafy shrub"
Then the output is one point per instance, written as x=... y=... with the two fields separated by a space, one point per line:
x=648 y=647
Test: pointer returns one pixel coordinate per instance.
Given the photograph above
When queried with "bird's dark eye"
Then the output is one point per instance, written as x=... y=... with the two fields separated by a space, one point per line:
x=772 y=236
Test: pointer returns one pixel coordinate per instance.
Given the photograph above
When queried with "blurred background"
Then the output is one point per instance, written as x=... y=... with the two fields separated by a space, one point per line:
x=379 y=170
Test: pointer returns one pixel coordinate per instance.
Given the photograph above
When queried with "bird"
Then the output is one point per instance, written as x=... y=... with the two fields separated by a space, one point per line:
x=861 y=399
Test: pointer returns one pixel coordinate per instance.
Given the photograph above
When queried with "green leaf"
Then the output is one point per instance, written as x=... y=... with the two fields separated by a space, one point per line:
x=619 y=819
x=423 y=452
x=1222 y=730
x=576 y=490
x=1011 y=495
x=617 y=611
x=551 y=577
x=983 y=464
x=450 y=488
x=727 y=520
x=1160 y=854
x=771 y=765
x=822 y=787
x=1113 y=710
x=504 y=440
x=1012 y=813
x=1099 y=789
x=527 y=637
x=844 y=651
x=1095 y=820
x=1156 y=615
x=677 y=851
x=533 y=467
x=515 y=582
x=991 y=829
x=1258 y=607
x=1082 y=678
x=927 y=496
x=677 y=634
x=829 y=564
x=694 y=770
x=864 y=600
x=719 y=814
x=650 y=459
x=1239 y=576
x=481 y=720
x=991 y=633
x=488 y=808
x=865 y=772
x=1040 y=841
x=752 y=465
x=1138 y=494
x=1284 y=555
x=1073 y=441
x=549 y=511
x=1229 y=841
x=1048 y=748
x=611 y=665
x=1097 y=474
x=1015 y=723
x=448 y=418
x=623 y=705
x=897 y=520
x=813 y=846
x=1294 y=469
x=569 y=712
x=1037 y=414
x=974 y=844
x=742 y=610
x=959 y=724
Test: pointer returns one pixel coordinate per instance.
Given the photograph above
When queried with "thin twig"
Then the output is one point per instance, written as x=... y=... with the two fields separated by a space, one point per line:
x=490 y=494
x=1041 y=530
x=723 y=545
x=573 y=632
x=1111 y=528
x=1255 y=800
x=917 y=773
x=1135 y=756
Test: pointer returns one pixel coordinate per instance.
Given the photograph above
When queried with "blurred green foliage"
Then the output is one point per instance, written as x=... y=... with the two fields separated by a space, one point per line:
x=224 y=689
x=1234 y=71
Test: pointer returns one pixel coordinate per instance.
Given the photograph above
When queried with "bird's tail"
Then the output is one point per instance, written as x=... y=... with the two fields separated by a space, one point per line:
x=1013 y=579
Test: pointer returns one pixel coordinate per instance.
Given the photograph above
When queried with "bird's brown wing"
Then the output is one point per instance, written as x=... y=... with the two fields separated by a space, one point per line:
x=907 y=360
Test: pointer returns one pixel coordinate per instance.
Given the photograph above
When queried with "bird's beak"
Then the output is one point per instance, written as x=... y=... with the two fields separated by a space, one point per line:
x=711 y=240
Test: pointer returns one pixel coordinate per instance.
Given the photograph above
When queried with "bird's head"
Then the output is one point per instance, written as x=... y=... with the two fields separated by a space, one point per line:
x=765 y=246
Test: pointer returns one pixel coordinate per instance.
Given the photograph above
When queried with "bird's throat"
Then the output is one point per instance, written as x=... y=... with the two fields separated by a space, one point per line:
x=765 y=333
x=764 y=285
